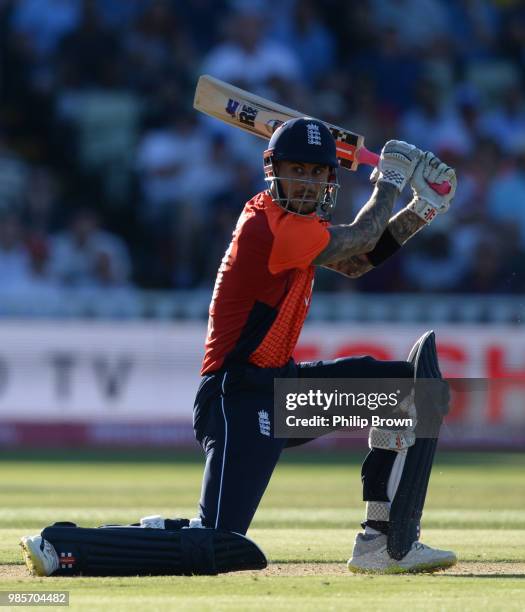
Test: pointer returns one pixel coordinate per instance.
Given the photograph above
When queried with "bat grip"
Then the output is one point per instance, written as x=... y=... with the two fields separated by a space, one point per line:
x=372 y=159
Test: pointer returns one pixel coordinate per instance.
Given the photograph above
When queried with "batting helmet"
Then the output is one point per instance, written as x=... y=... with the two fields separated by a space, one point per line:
x=308 y=141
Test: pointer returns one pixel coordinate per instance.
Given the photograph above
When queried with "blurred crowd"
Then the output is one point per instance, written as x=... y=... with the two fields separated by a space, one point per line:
x=109 y=179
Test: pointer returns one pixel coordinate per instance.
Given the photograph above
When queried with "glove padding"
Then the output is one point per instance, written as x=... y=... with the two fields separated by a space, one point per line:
x=397 y=163
x=431 y=169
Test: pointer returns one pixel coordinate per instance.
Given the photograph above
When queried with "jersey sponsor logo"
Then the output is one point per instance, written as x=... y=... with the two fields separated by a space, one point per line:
x=313 y=134
x=244 y=113
x=264 y=423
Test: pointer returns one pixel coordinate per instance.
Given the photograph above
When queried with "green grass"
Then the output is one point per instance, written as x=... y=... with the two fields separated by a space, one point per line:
x=476 y=506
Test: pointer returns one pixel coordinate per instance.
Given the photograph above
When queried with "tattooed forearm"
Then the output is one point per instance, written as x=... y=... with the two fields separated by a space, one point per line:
x=354 y=266
x=361 y=235
x=404 y=225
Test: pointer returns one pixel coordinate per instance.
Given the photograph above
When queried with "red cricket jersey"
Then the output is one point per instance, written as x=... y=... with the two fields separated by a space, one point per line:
x=263 y=287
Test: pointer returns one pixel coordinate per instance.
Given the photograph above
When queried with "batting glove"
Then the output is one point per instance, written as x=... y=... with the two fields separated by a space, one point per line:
x=397 y=163
x=427 y=203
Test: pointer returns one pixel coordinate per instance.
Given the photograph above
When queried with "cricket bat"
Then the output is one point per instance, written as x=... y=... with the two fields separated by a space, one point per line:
x=262 y=117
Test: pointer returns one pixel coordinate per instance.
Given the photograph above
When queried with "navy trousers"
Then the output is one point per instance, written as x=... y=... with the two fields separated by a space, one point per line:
x=233 y=417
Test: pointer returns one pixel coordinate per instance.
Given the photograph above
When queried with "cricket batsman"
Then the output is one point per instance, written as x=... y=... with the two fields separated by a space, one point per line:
x=260 y=301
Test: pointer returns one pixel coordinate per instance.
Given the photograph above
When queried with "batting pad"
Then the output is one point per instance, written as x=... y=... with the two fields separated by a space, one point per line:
x=407 y=506
x=133 y=551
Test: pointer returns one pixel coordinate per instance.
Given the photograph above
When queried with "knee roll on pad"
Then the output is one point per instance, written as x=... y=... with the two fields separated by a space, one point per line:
x=432 y=402
x=131 y=551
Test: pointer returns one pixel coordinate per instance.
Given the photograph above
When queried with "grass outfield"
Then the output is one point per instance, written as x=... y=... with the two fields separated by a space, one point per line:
x=305 y=525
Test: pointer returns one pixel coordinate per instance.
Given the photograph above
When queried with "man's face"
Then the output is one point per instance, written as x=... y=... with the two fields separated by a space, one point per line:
x=296 y=190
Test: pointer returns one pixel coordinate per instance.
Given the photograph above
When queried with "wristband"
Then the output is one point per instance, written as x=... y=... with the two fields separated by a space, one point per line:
x=385 y=247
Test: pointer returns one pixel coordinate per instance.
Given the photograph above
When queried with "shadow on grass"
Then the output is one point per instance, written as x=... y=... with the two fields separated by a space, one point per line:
x=489 y=576
x=459 y=459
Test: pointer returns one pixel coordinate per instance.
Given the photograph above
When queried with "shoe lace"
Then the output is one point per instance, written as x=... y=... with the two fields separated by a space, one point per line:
x=419 y=546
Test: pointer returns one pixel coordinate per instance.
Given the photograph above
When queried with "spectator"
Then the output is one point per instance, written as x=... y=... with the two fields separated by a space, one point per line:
x=86 y=256
x=14 y=174
x=14 y=256
x=116 y=14
x=101 y=113
x=512 y=35
x=90 y=49
x=473 y=26
x=392 y=72
x=311 y=40
x=163 y=157
x=247 y=56
x=433 y=125
x=44 y=22
x=203 y=19
x=489 y=272
x=419 y=22
x=505 y=123
x=506 y=195
x=436 y=266
x=27 y=288
x=41 y=202
x=223 y=211
x=158 y=47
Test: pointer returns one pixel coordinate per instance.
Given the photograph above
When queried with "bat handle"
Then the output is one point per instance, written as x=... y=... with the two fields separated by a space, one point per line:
x=372 y=159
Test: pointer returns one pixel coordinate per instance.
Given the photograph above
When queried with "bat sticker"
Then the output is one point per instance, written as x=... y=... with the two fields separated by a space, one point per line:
x=245 y=115
x=231 y=107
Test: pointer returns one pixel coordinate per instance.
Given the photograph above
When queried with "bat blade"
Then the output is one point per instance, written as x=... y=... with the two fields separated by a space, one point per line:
x=261 y=117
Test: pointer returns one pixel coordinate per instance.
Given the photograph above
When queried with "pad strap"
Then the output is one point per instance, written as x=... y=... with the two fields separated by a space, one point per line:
x=377 y=511
x=388 y=439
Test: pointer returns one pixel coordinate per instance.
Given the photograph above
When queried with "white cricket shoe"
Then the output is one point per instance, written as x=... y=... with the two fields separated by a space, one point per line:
x=370 y=555
x=159 y=522
x=154 y=521
x=39 y=555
